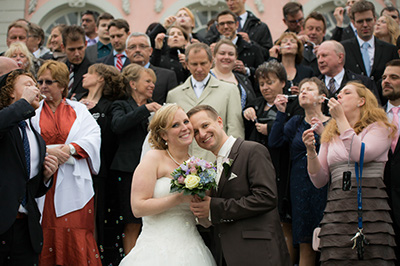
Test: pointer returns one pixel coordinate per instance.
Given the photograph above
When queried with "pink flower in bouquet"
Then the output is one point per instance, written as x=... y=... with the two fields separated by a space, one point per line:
x=193 y=170
x=181 y=180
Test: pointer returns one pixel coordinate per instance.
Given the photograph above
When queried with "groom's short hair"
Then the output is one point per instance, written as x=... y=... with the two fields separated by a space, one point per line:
x=210 y=111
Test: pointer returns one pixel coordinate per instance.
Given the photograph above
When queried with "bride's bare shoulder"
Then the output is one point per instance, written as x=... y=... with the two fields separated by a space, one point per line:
x=154 y=155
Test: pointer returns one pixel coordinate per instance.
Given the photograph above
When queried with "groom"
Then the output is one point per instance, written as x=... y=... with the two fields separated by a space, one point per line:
x=243 y=209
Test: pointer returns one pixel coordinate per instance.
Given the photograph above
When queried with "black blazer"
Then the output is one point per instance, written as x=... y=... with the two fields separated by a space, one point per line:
x=246 y=84
x=91 y=53
x=310 y=59
x=392 y=182
x=250 y=54
x=168 y=58
x=351 y=76
x=109 y=60
x=302 y=72
x=384 y=52
x=166 y=81
x=129 y=122
x=257 y=30
x=14 y=180
x=341 y=34
x=79 y=71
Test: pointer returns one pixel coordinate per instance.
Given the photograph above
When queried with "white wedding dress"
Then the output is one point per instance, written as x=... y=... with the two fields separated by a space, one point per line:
x=169 y=238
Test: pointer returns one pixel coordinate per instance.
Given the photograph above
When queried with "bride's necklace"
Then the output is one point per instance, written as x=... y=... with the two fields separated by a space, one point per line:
x=173 y=159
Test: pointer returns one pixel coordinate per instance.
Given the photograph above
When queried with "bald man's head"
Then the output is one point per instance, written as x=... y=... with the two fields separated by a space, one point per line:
x=7 y=65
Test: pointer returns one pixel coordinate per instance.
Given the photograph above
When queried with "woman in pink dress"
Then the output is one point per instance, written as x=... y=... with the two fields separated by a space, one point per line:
x=357 y=118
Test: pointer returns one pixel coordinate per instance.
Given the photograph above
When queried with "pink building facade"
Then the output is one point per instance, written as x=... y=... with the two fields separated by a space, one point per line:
x=141 y=13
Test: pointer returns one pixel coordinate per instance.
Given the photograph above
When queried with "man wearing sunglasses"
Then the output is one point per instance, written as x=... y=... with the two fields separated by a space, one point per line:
x=365 y=54
x=251 y=28
x=293 y=17
x=249 y=55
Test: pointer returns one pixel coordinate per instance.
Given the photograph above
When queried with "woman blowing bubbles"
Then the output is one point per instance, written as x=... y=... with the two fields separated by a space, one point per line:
x=356 y=119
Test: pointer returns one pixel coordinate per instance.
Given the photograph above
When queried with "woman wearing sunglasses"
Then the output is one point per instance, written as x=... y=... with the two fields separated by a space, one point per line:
x=73 y=136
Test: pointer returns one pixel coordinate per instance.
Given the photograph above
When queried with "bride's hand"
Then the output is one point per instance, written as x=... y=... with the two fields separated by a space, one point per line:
x=185 y=198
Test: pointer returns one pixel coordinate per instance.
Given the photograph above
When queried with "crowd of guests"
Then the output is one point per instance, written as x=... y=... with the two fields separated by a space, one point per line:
x=314 y=103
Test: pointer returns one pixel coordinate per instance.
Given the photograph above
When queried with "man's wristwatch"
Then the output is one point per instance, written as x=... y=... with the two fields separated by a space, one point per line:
x=72 y=149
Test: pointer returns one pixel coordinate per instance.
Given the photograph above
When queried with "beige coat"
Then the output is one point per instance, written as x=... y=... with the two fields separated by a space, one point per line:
x=223 y=97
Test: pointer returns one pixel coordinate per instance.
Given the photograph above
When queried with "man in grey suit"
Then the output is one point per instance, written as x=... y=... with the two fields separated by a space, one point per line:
x=243 y=209
x=203 y=88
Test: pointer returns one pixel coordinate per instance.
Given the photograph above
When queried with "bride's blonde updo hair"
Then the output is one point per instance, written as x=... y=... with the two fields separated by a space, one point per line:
x=160 y=123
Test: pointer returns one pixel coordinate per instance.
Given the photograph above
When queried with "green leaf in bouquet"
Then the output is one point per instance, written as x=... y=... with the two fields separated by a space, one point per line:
x=174 y=189
x=201 y=194
x=187 y=192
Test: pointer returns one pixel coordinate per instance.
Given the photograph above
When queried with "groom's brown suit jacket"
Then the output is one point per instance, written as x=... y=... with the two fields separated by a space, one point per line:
x=244 y=211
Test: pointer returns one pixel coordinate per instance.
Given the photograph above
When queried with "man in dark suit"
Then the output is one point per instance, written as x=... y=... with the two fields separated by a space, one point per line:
x=25 y=171
x=314 y=33
x=103 y=46
x=293 y=16
x=77 y=63
x=139 y=51
x=118 y=30
x=331 y=58
x=339 y=33
x=251 y=28
x=243 y=209
x=391 y=90
x=365 y=47
x=249 y=55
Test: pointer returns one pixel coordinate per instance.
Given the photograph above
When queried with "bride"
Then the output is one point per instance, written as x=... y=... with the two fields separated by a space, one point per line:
x=169 y=235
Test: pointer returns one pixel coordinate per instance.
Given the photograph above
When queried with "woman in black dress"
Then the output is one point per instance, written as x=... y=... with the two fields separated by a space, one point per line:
x=129 y=122
x=105 y=84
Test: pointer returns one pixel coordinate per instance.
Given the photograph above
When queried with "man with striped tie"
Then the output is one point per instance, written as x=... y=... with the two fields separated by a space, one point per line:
x=118 y=30
x=77 y=63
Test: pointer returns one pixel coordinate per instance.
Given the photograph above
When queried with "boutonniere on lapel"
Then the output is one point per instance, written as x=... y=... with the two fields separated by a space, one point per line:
x=227 y=164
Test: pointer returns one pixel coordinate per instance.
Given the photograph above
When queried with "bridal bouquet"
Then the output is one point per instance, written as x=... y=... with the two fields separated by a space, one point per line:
x=194 y=177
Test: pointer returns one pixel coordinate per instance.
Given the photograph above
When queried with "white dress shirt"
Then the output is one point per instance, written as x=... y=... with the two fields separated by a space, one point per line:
x=198 y=86
x=223 y=153
x=389 y=114
x=34 y=155
x=338 y=80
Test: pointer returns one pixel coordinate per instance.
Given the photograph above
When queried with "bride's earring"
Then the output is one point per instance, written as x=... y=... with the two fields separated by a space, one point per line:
x=166 y=143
